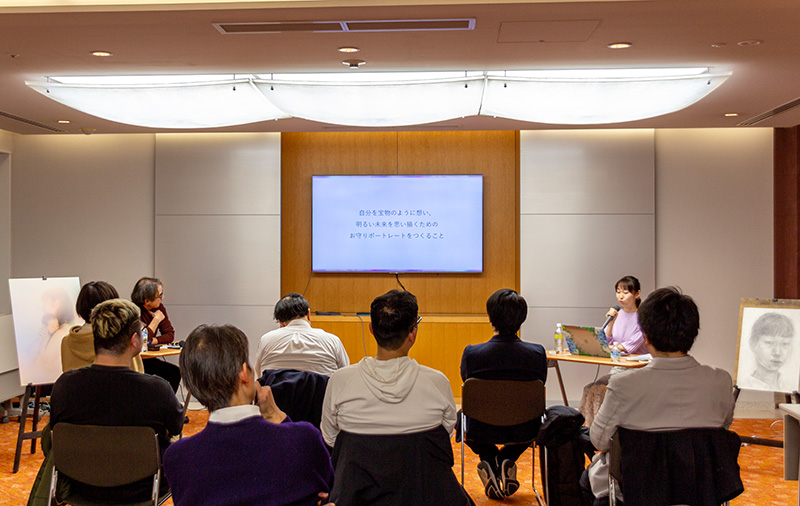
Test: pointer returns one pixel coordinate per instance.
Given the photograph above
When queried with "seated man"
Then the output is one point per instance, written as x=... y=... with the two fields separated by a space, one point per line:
x=77 y=347
x=148 y=294
x=296 y=345
x=109 y=393
x=391 y=393
x=672 y=392
x=504 y=357
x=246 y=454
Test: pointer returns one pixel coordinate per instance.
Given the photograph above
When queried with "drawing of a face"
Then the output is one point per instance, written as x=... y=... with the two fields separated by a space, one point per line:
x=772 y=352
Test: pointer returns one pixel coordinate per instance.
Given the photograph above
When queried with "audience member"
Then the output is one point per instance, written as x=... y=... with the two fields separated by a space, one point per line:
x=391 y=393
x=246 y=454
x=109 y=393
x=297 y=345
x=148 y=294
x=672 y=392
x=504 y=357
x=77 y=347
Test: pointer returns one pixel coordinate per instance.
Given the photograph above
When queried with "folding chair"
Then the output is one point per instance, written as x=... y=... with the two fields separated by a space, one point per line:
x=105 y=456
x=503 y=403
x=696 y=466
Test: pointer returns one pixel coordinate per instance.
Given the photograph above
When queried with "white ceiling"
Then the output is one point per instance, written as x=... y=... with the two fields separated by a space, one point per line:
x=38 y=40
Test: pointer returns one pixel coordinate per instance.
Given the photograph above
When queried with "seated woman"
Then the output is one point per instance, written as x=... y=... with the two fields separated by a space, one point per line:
x=77 y=347
x=148 y=294
x=672 y=392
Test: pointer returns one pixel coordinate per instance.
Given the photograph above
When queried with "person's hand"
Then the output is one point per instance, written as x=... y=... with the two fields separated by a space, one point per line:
x=322 y=497
x=612 y=313
x=153 y=341
x=158 y=315
x=266 y=404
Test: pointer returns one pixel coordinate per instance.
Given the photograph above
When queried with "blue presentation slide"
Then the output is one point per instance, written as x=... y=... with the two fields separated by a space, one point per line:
x=397 y=223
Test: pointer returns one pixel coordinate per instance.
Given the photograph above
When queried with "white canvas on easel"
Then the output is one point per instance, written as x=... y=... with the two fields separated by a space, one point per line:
x=768 y=355
x=43 y=311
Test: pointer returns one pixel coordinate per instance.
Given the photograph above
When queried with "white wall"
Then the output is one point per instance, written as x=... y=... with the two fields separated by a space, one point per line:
x=83 y=206
x=218 y=229
x=714 y=228
x=587 y=219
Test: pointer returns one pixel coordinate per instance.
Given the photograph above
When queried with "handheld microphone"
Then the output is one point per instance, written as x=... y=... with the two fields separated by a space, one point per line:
x=608 y=320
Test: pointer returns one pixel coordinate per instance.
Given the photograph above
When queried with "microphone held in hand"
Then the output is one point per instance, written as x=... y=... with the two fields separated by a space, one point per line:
x=608 y=320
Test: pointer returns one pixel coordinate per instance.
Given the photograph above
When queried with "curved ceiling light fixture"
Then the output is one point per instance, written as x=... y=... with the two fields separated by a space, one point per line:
x=573 y=97
x=377 y=99
x=178 y=105
x=595 y=96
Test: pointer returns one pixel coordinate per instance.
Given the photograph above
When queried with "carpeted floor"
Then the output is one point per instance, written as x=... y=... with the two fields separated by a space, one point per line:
x=762 y=467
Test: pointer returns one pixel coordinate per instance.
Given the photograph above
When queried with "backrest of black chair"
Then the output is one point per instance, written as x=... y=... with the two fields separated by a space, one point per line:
x=502 y=402
x=105 y=456
x=299 y=394
x=697 y=466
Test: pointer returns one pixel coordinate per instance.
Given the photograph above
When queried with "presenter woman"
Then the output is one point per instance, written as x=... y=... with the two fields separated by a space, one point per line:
x=624 y=330
x=148 y=294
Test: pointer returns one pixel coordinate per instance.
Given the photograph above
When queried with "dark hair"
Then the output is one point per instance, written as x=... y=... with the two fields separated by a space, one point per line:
x=507 y=310
x=393 y=315
x=211 y=360
x=631 y=284
x=771 y=324
x=113 y=323
x=145 y=290
x=92 y=294
x=669 y=320
x=291 y=306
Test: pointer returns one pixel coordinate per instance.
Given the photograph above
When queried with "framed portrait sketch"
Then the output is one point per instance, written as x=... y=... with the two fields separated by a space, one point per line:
x=768 y=355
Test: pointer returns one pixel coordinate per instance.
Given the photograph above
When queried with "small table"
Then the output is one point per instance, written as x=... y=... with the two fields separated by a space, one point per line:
x=791 y=443
x=554 y=358
x=168 y=352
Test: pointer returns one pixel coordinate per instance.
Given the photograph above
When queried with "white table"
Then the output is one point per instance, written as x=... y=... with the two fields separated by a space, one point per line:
x=791 y=443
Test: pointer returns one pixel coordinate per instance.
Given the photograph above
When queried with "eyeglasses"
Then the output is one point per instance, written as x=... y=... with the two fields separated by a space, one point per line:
x=419 y=319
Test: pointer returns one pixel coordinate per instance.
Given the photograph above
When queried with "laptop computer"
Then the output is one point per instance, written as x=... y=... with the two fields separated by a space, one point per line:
x=589 y=341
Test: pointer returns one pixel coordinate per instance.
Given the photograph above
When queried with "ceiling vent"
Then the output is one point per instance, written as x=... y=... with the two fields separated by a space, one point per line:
x=769 y=114
x=383 y=25
x=31 y=122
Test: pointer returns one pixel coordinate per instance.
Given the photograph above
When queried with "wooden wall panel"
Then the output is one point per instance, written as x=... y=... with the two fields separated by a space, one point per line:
x=493 y=154
x=787 y=207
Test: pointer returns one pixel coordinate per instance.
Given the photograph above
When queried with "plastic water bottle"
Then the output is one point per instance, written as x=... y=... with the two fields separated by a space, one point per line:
x=144 y=339
x=559 y=339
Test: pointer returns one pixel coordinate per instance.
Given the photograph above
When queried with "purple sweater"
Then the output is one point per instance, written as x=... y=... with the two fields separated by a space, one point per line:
x=251 y=461
x=626 y=331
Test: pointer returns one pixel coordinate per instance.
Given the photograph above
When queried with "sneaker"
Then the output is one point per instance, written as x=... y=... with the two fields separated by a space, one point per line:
x=508 y=475
x=492 y=487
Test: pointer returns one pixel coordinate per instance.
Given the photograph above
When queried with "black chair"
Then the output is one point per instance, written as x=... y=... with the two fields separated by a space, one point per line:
x=396 y=470
x=503 y=403
x=697 y=466
x=299 y=394
x=105 y=456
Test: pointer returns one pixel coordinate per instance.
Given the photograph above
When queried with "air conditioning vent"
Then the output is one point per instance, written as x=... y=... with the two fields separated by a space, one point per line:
x=382 y=25
x=769 y=114
x=31 y=122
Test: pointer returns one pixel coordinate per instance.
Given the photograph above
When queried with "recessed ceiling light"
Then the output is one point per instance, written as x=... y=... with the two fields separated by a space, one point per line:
x=718 y=45
x=619 y=45
x=750 y=42
x=731 y=114
x=64 y=121
x=349 y=49
x=354 y=64
x=102 y=53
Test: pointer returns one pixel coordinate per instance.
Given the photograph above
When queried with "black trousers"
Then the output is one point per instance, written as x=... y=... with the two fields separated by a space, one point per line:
x=494 y=455
x=163 y=369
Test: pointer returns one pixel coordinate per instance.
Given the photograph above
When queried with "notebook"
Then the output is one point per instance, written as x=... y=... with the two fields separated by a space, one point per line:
x=589 y=341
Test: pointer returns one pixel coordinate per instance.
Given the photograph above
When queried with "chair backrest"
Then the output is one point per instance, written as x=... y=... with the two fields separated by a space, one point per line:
x=395 y=470
x=105 y=456
x=502 y=402
x=697 y=466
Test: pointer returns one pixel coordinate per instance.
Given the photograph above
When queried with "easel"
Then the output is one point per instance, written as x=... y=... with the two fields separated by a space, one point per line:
x=33 y=435
x=793 y=397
